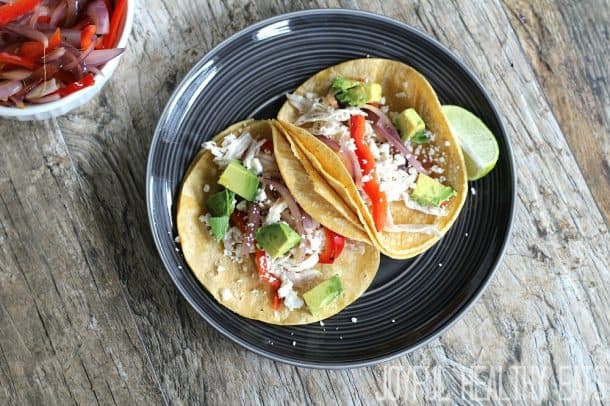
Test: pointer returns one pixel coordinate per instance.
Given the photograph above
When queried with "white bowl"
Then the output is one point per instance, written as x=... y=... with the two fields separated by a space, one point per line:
x=77 y=99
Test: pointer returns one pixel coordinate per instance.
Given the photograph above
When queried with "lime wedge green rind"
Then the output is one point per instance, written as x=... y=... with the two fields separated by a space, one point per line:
x=478 y=143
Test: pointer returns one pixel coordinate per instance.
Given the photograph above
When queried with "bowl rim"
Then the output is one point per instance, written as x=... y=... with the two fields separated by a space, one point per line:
x=100 y=78
x=179 y=90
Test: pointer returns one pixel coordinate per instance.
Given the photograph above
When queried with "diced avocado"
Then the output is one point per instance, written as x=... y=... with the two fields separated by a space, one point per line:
x=221 y=203
x=276 y=239
x=430 y=192
x=323 y=294
x=410 y=125
x=240 y=180
x=372 y=92
x=341 y=84
x=354 y=93
x=219 y=226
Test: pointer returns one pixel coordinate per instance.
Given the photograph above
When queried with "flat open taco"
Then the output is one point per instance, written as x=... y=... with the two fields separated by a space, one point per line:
x=263 y=249
x=374 y=129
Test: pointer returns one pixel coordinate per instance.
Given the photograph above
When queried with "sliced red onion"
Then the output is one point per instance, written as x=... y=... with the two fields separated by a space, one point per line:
x=43 y=89
x=17 y=101
x=254 y=219
x=17 y=74
x=55 y=54
x=101 y=56
x=385 y=130
x=58 y=14
x=295 y=211
x=9 y=88
x=86 y=52
x=308 y=222
x=71 y=12
x=352 y=160
x=46 y=99
x=71 y=36
x=28 y=32
x=332 y=144
x=98 y=12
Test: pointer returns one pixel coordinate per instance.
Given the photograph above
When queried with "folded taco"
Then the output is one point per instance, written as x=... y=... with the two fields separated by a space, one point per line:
x=375 y=131
x=263 y=246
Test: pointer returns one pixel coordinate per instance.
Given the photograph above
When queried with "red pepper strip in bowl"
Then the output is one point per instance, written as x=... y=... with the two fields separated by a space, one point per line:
x=86 y=81
x=115 y=23
x=12 y=11
x=86 y=36
x=367 y=163
x=33 y=50
x=10 y=59
x=333 y=246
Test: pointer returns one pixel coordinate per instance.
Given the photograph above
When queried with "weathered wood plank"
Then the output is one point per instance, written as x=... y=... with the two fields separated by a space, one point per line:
x=567 y=44
x=547 y=308
x=67 y=333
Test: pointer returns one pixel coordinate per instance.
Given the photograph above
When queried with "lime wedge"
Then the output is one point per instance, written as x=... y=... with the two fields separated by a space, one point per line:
x=478 y=143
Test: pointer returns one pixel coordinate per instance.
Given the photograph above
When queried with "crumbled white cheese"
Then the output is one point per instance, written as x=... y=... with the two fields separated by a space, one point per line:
x=256 y=166
x=206 y=188
x=437 y=169
x=354 y=320
x=291 y=298
x=321 y=323
x=232 y=244
x=261 y=195
x=177 y=239
x=231 y=147
x=275 y=211
x=382 y=101
x=294 y=343
x=447 y=143
x=225 y=294
x=220 y=269
x=242 y=206
x=473 y=191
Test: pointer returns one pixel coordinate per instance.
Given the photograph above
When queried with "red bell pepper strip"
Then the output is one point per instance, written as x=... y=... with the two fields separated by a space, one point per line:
x=277 y=301
x=262 y=265
x=33 y=50
x=10 y=59
x=116 y=19
x=268 y=146
x=367 y=163
x=12 y=11
x=86 y=36
x=332 y=247
x=86 y=81
x=239 y=220
x=43 y=19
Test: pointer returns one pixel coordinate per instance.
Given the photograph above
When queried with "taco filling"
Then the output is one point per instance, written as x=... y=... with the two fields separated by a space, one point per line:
x=255 y=217
x=391 y=156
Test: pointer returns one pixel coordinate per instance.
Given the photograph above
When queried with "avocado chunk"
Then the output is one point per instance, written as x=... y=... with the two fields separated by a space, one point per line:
x=221 y=203
x=323 y=294
x=276 y=239
x=430 y=192
x=372 y=92
x=411 y=126
x=354 y=93
x=219 y=226
x=239 y=180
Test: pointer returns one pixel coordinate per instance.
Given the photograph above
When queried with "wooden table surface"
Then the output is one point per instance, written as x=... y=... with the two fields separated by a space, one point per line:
x=89 y=315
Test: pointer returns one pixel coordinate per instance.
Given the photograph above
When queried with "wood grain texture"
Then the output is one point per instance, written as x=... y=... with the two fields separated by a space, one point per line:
x=567 y=44
x=88 y=313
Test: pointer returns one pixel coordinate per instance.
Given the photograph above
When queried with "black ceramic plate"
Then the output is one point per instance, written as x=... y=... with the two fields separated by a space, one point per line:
x=409 y=302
